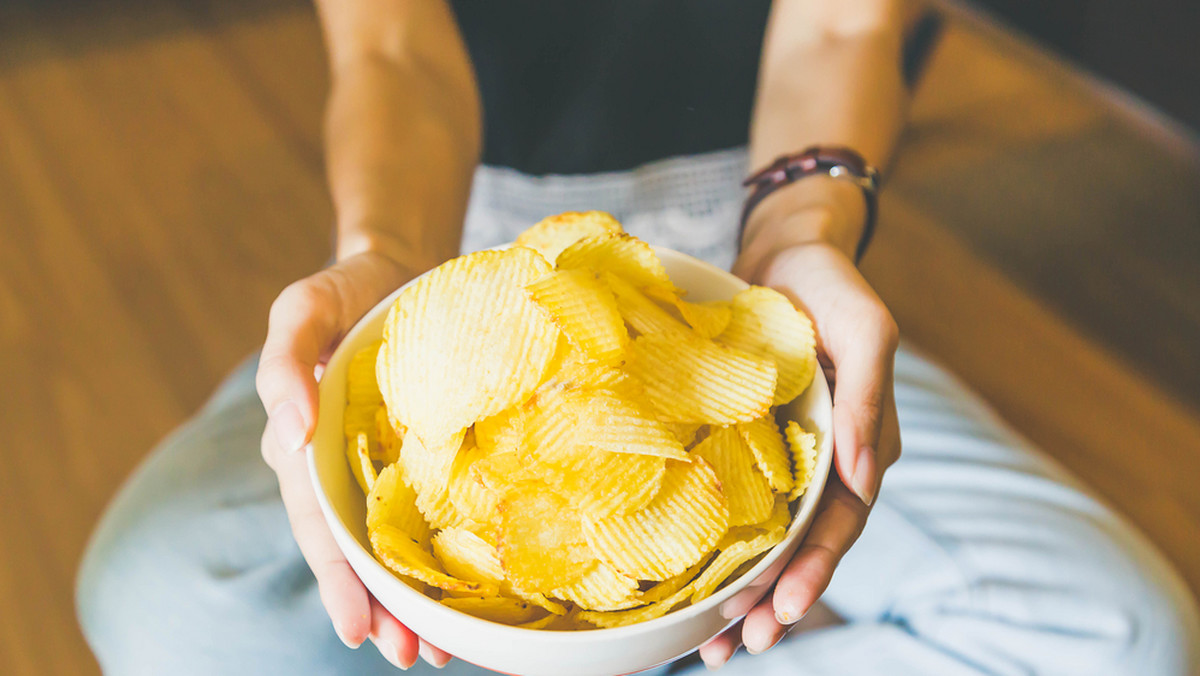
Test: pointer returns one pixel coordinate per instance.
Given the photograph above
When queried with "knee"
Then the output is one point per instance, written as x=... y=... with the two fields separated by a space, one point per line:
x=1097 y=600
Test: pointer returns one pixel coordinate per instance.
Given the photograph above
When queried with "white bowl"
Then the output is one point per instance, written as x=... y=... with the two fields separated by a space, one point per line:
x=529 y=652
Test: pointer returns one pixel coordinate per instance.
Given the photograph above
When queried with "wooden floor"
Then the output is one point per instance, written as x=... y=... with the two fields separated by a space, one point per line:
x=161 y=180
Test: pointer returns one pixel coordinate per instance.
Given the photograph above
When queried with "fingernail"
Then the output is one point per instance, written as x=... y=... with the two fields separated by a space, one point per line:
x=787 y=612
x=771 y=644
x=863 y=481
x=427 y=655
x=353 y=646
x=291 y=430
x=389 y=652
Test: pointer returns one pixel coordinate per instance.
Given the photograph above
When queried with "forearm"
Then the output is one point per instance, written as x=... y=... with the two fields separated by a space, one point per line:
x=402 y=135
x=830 y=75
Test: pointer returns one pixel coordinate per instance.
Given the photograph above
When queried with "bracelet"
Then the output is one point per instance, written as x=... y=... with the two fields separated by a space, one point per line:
x=836 y=161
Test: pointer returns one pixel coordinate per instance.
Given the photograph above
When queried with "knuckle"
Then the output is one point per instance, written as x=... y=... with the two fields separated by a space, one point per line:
x=303 y=296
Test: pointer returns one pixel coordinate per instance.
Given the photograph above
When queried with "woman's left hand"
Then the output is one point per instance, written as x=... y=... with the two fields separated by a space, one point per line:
x=857 y=341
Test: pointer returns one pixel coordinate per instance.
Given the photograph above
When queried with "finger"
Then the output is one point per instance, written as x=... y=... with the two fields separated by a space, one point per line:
x=434 y=655
x=838 y=524
x=303 y=321
x=741 y=603
x=864 y=378
x=760 y=629
x=342 y=593
x=721 y=648
x=395 y=642
x=306 y=321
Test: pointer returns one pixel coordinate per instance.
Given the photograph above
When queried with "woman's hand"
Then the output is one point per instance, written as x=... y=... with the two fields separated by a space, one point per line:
x=805 y=257
x=307 y=321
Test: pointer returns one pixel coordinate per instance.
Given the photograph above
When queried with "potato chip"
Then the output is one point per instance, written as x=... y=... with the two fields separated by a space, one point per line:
x=406 y=557
x=465 y=342
x=695 y=380
x=765 y=322
x=601 y=588
x=572 y=368
x=467 y=492
x=502 y=431
x=554 y=233
x=467 y=556
x=360 y=418
x=361 y=387
x=623 y=255
x=621 y=426
x=683 y=522
x=364 y=469
x=686 y=433
x=387 y=450
x=804 y=457
x=392 y=502
x=707 y=319
x=585 y=310
x=543 y=622
x=601 y=483
x=731 y=557
x=766 y=443
x=642 y=314
x=427 y=470
x=536 y=598
x=541 y=540
x=566 y=441
x=495 y=608
x=749 y=495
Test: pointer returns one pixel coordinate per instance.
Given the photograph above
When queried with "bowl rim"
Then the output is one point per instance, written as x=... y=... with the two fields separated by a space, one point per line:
x=804 y=514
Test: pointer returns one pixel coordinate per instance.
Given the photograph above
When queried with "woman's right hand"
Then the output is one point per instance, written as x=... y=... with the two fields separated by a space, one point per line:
x=307 y=321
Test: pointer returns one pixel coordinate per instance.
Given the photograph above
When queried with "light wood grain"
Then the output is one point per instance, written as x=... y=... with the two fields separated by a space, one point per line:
x=160 y=181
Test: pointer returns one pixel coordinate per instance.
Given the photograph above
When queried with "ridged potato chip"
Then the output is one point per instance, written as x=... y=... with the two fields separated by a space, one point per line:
x=495 y=608
x=642 y=314
x=467 y=492
x=408 y=558
x=804 y=457
x=682 y=523
x=731 y=557
x=427 y=470
x=541 y=539
x=554 y=233
x=568 y=434
x=361 y=386
x=766 y=443
x=623 y=255
x=749 y=495
x=691 y=379
x=387 y=450
x=392 y=502
x=707 y=319
x=601 y=588
x=585 y=310
x=468 y=557
x=765 y=322
x=465 y=342
x=572 y=368
x=364 y=469
x=686 y=433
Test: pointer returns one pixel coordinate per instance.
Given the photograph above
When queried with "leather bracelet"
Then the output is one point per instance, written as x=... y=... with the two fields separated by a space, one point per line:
x=836 y=161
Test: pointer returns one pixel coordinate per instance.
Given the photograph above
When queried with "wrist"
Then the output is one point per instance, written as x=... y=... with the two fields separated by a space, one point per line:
x=815 y=209
x=408 y=257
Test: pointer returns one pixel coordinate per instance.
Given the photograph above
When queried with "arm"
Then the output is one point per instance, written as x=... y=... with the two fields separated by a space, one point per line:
x=830 y=75
x=402 y=141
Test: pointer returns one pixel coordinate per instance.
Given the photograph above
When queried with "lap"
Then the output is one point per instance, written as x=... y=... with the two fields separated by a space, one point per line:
x=981 y=556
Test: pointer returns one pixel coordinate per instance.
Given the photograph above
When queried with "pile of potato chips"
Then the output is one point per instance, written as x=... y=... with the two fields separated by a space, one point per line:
x=551 y=436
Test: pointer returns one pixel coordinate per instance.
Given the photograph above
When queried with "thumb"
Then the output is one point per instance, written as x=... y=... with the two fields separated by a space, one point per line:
x=306 y=322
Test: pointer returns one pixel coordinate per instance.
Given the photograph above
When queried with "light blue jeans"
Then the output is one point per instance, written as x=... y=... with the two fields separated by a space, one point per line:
x=982 y=556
